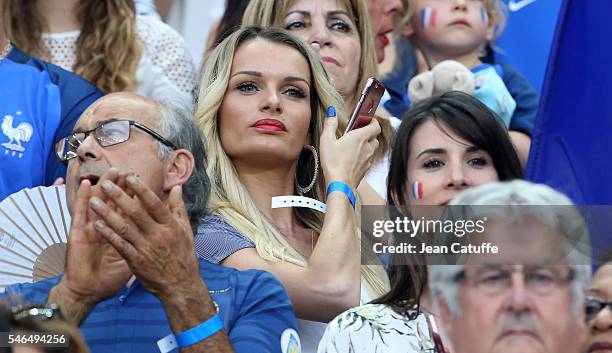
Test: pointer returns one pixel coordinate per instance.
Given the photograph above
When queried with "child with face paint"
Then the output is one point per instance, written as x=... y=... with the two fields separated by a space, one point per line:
x=462 y=30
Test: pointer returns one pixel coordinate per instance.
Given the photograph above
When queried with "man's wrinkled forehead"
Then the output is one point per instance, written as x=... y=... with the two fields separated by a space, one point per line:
x=119 y=107
x=524 y=242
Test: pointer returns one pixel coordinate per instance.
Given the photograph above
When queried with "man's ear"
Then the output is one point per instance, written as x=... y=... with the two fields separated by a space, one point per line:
x=446 y=316
x=179 y=169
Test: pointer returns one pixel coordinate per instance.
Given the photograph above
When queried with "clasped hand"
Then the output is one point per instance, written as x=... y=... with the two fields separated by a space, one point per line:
x=154 y=237
x=121 y=227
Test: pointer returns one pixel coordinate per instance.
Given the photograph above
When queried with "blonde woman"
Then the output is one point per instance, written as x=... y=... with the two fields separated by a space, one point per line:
x=259 y=117
x=340 y=32
x=104 y=42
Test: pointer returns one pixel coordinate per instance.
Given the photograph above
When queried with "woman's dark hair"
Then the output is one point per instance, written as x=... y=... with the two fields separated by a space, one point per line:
x=231 y=19
x=470 y=119
x=467 y=117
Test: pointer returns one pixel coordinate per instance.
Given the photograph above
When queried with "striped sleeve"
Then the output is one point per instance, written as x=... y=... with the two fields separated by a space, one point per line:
x=216 y=240
x=29 y=293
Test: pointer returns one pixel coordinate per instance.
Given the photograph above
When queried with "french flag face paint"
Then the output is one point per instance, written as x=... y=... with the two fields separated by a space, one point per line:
x=428 y=17
x=417 y=190
x=484 y=16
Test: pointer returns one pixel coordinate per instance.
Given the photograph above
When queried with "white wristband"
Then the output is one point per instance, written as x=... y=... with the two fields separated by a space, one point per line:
x=298 y=201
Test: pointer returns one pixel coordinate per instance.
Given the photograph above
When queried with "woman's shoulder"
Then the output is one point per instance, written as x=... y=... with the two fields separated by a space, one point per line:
x=373 y=314
x=216 y=239
x=212 y=223
x=376 y=328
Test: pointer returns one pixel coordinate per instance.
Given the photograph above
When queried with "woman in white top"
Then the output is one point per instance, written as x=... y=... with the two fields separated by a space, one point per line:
x=262 y=107
x=445 y=144
x=104 y=42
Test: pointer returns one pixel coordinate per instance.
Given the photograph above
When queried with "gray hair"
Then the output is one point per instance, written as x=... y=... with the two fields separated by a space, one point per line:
x=512 y=197
x=177 y=126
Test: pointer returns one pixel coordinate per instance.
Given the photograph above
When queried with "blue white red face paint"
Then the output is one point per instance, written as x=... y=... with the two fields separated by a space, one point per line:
x=417 y=190
x=428 y=17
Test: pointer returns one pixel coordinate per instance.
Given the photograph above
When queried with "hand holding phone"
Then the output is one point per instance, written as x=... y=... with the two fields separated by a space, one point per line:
x=367 y=105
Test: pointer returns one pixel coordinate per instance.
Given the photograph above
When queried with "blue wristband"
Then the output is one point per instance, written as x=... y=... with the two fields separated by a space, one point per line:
x=200 y=332
x=340 y=186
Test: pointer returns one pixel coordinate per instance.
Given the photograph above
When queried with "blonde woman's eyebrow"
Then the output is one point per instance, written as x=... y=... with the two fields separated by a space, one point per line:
x=259 y=74
x=339 y=12
x=295 y=78
x=307 y=13
x=250 y=73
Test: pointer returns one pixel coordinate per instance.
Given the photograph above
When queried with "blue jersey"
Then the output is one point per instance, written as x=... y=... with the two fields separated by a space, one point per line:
x=253 y=305
x=39 y=104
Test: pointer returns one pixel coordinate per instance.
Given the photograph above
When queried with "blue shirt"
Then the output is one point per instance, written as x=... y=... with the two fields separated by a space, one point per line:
x=39 y=104
x=253 y=306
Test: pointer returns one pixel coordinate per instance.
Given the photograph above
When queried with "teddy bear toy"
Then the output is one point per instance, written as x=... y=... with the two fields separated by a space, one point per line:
x=485 y=84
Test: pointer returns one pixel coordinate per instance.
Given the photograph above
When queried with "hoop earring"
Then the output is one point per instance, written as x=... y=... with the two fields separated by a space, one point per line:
x=300 y=189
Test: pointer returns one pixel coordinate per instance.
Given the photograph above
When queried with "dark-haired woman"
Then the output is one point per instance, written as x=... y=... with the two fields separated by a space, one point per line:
x=444 y=145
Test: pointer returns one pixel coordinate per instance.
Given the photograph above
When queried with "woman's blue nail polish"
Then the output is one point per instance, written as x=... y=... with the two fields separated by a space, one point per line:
x=331 y=112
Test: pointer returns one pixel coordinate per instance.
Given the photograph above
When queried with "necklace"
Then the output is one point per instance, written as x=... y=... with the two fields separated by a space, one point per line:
x=7 y=48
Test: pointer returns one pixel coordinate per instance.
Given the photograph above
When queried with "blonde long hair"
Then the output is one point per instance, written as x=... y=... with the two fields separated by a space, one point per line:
x=108 y=47
x=271 y=13
x=229 y=197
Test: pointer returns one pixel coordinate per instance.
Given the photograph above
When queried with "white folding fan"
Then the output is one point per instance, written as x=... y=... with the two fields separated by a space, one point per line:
x=34 y=225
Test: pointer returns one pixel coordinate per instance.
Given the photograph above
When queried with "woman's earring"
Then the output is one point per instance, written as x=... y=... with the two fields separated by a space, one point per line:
x=300 y=189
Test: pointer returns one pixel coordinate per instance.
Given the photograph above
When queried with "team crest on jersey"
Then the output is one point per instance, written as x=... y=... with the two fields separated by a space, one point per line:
x=290 y=341
x=17 y=135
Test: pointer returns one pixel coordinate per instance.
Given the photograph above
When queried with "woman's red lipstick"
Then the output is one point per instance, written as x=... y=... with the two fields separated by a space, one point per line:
x=270 y=125
x=383 y=39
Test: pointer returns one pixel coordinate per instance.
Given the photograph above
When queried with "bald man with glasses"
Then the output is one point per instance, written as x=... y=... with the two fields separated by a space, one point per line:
x=136 y=187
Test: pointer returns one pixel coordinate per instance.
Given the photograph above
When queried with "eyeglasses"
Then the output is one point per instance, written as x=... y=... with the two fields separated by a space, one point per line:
x=45 y=312
x=108 y=134
x=592 y=307
x=493 y=280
